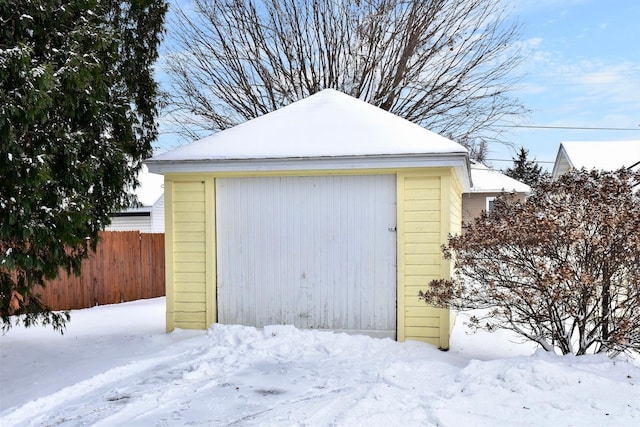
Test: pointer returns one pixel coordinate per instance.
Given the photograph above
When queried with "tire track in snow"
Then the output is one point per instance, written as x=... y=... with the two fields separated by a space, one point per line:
x=238 y=376
x=72 y=399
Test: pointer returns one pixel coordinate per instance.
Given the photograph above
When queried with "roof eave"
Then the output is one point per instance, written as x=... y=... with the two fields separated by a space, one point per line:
x=457 y=160
x=501 y=190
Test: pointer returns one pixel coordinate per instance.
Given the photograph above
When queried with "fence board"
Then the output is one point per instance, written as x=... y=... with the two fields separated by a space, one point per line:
x=126 y=266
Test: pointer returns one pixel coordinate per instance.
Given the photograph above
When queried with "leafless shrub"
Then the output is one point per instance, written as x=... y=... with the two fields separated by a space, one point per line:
x=561 y=269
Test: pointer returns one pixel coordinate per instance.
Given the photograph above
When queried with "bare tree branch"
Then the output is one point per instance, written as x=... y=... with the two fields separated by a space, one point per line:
x=444 y=64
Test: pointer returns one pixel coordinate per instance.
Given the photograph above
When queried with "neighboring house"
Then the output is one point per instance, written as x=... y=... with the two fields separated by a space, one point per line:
x=328 y=213
x=487 y=184
x=605 y=155
x=148 y=218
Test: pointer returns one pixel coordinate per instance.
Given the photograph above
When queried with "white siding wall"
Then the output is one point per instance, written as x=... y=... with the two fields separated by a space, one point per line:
x=157 y=216
x=130 y=223
x=315 y=252
x=152 y=223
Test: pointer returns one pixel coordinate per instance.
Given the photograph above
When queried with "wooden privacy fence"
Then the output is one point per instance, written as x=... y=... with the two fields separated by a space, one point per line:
x=126 y=266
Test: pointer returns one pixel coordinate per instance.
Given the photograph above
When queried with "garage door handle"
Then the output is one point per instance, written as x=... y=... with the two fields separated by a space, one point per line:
x=392 y=228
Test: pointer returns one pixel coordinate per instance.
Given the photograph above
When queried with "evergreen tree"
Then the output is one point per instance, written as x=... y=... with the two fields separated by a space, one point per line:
x=525 y=170
x=77 y=117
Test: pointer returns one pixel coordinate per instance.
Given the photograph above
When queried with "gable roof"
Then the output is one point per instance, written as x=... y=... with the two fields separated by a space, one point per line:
x=327 y=130
x=487 y=180
x=605 y=155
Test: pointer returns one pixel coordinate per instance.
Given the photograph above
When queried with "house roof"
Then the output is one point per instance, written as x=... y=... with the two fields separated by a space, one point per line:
x=151 y=187
x=487 y=180
x=326 y=124
x=605 y=155
x=317 y=132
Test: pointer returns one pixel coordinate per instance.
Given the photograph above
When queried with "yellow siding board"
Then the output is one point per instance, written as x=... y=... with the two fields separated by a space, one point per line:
x=421 y=237
x=420 y=280
x=422 y=194
x=188 y=287
x=423 y=259
x=169 y=255
x=192 y=183
x=445 y=272
x=191 y=226
x=423 y=248
x=190 y=307
x=400 y=250
x=187 y=207
x=421 y=215
x=191 y=217
x=411 y=298
x=428 y=335
x=190 y=297
x=422 y=205
x=422 y=270
x=189 y=247
x=188 y=237
x=413 y=302
x=422 y=227
x=211 y=301
x=422 y=310
x=189 y=267
x=424 y=322
x=189 y=257
x=420 y=332
x=456 y=228
x=189 y=277
x=189 y=317
x=421 y=183
x=194 y=195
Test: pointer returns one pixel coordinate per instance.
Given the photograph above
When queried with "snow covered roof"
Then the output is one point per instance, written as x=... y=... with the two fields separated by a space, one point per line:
x=605 y=155
x=151 y=187
x=323 y=126
x=326 y=124
x=487 y=180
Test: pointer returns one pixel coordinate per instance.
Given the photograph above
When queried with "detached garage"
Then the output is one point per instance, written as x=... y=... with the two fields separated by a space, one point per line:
x=328 y=213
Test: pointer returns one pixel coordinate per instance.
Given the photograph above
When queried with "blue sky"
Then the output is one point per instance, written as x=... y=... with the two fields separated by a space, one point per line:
x=582 y=69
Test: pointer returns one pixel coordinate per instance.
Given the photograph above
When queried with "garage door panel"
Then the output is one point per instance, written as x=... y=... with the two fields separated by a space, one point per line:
x=315 y=252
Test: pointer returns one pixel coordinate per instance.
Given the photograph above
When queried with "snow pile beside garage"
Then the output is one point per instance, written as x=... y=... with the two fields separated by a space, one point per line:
x=114 y=366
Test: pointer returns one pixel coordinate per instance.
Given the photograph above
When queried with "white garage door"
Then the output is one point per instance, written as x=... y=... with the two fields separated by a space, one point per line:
x=314 y=252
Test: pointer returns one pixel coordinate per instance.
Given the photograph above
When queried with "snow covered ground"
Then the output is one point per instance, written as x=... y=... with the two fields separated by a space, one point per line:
x=116 y=366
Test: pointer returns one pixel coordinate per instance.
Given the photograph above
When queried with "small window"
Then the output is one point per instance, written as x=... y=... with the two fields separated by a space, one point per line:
x=490 y=203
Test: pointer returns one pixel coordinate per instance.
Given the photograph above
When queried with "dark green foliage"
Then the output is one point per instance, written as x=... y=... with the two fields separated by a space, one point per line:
x=77 y=117
x=525 y=170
